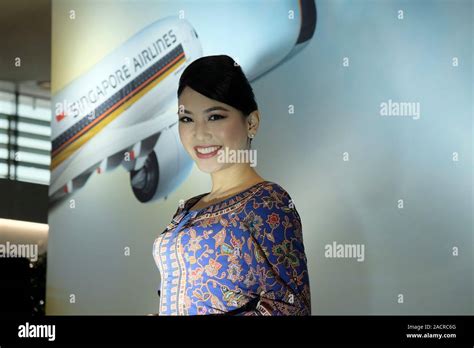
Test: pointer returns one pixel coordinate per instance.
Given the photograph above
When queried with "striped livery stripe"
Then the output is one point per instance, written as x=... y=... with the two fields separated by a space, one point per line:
x=80 y=133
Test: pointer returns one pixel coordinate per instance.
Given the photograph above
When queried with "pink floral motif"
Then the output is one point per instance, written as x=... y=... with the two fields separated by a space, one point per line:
x=212 y=267
x=196 y=273
x=273 y=220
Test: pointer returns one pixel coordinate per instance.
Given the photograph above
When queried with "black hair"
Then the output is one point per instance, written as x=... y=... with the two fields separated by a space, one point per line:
x=220 y=78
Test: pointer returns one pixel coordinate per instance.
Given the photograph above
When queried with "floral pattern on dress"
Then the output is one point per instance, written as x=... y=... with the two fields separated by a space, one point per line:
x=242 y=256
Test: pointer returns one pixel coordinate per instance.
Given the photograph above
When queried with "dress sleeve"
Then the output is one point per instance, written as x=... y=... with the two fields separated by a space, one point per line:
x=276 y=256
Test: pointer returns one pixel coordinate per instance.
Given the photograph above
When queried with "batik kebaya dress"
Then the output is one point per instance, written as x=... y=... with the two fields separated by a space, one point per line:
x=241 y=256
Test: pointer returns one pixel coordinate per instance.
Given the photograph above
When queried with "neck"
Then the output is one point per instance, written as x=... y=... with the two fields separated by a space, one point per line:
x=233 y=178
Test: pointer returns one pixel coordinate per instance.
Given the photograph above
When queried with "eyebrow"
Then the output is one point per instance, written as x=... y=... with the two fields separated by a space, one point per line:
x=208 y=110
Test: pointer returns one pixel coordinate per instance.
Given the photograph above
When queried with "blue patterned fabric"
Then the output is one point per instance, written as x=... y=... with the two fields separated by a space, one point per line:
x=242 y=256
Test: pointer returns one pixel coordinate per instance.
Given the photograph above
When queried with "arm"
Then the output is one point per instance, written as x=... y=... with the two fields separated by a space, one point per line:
x=278 y=257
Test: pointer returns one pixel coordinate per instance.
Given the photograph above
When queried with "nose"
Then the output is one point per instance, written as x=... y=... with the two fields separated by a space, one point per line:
x=201 y=132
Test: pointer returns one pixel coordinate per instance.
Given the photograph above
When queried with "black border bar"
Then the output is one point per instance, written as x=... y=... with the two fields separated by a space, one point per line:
x=223 y=330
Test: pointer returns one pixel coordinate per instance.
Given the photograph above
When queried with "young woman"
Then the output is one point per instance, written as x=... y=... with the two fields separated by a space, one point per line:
x=238 y=249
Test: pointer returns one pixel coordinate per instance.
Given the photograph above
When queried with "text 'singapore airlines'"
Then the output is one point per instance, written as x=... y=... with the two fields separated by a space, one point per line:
x=105 y=101
x=122 y=104
x=123 y=111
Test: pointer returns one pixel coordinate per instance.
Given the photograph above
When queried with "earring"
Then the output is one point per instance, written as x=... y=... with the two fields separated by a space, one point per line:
x=251 y=135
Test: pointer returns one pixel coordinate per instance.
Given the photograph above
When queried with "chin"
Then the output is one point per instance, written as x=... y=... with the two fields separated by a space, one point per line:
x=210 y=167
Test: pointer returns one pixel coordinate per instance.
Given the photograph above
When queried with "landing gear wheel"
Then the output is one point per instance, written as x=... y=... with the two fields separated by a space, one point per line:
x=144 y=181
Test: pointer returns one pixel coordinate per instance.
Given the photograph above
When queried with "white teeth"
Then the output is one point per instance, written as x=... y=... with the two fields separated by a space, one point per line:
x=207 y=150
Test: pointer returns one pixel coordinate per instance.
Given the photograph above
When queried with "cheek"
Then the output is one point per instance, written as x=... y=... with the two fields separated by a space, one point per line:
x=184 y=135
x=231 y=134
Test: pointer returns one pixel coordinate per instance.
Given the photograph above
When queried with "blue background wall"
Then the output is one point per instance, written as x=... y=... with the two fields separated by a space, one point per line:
x=408 y=251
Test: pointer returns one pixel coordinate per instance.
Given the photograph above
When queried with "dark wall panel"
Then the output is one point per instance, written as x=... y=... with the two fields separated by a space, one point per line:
x=23 y=201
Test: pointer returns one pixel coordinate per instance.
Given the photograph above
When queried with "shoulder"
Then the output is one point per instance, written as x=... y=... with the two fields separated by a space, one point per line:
x=273 y=203
x=272 y=210
x=272 y=196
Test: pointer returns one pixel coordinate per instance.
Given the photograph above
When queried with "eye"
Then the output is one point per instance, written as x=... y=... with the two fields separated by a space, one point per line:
x=185 y=119
x=215 y=117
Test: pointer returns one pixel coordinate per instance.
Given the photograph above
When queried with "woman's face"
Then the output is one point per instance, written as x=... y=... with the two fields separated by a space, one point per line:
x=206 y=125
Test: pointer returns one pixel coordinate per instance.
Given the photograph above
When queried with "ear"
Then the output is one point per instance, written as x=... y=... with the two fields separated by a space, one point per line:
x=253 y=121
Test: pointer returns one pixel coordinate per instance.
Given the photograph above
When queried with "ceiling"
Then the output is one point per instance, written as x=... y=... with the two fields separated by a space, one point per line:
x=25 y=32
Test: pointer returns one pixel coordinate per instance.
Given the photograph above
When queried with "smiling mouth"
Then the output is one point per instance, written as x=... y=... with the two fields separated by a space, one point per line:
x=207 y=151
